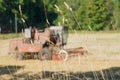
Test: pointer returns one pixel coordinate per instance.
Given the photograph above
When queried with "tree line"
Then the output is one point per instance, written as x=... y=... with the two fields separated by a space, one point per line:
x=76 y=14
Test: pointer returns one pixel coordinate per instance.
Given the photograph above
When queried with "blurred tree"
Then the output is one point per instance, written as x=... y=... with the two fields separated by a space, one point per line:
x=37 y=11
x=49 y=9
x=7 y=11
x=82 y=14
x=78 y=14
x=99 y=15
x=96 y=15
x=67 y=15
x=116 y=15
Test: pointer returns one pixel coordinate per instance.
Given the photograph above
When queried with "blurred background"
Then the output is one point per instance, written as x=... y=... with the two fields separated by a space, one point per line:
x=94 y=15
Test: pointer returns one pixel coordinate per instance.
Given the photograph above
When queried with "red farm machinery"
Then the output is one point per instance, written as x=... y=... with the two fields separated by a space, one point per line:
x=48 y=44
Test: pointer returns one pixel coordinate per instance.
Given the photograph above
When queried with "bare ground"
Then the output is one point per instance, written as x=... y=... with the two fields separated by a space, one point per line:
x=103 y=57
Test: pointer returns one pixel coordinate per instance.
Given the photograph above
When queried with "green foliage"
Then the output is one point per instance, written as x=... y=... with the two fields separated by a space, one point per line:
x=67 y=17
x=80 y=14
x=94 y=14
x=116 y=15
x=2 y=8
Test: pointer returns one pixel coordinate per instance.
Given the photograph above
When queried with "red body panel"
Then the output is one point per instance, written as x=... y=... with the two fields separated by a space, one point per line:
x=23 y=47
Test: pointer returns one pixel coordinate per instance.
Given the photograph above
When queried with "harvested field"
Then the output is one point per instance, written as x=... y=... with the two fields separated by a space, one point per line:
x=101 y=63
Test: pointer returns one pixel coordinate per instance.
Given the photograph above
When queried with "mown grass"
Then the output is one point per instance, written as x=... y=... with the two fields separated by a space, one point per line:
x=92 y=32
x=91 y=67
x=18 y=35
x=10 y=36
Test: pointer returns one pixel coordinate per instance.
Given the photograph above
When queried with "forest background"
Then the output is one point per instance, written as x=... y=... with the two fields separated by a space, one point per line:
x=93 y=15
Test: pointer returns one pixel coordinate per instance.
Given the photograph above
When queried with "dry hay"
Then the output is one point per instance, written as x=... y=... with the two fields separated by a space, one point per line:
x=97 y=64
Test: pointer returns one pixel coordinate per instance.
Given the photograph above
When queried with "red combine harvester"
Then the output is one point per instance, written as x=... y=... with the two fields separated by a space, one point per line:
x=48 y=45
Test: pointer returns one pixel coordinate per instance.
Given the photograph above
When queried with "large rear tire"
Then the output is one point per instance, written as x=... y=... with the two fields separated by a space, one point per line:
x=44 y=54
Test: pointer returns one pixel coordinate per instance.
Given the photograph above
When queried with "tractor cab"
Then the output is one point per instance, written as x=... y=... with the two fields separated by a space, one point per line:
x=59 y=34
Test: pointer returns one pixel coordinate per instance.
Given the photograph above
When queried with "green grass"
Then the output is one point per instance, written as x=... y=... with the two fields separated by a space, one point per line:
x=10 y=36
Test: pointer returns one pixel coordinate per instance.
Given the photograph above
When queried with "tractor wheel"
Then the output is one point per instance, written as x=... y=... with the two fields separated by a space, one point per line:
x=44 y=54
x=63 y=55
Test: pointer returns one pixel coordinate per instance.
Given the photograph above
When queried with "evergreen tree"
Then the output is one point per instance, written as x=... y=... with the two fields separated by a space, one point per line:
x=116 y=15
x=78 y=14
